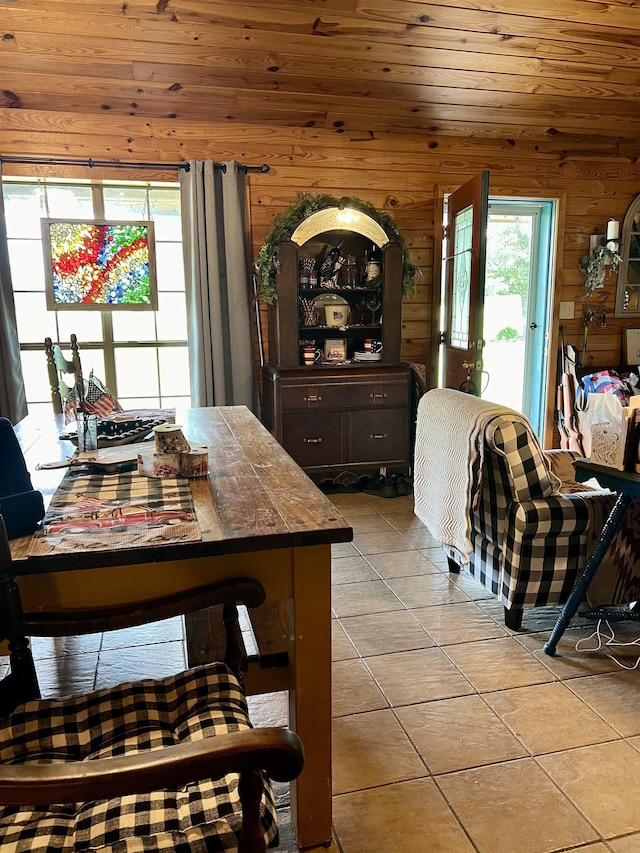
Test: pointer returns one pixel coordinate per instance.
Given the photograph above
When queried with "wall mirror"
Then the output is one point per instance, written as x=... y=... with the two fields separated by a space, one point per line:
x=628 y=288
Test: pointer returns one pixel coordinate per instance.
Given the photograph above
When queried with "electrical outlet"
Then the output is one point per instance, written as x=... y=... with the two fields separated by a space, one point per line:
x=567 y=310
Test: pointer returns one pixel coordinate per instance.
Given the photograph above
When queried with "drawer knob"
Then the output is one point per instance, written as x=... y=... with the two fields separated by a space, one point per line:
x=378 y=396
x=315 y=399
x=312 y=441
x=378 y=435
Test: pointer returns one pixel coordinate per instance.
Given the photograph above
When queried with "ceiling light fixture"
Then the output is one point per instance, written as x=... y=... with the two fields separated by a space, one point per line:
x=346 y=215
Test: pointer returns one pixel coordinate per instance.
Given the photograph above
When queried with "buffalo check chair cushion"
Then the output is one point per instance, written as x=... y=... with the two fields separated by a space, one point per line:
x=526 y=471
x=202 y=817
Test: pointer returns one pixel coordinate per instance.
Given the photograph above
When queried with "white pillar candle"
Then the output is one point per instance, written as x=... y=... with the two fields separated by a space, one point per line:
x=593 y=242
x=613 y=229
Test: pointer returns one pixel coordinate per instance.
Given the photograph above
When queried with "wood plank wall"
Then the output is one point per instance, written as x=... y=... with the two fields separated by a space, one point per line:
x=404 y=174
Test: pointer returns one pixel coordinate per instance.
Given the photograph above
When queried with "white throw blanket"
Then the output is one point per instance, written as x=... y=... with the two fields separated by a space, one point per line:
x=448 y=455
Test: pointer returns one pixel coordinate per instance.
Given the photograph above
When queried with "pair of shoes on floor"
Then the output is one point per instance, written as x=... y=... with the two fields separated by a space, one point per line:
x=402 y=485
x=394 y=486
x=381 y=487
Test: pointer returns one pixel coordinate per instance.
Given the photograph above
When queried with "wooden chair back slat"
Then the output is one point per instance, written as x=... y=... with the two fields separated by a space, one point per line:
x=58 y=365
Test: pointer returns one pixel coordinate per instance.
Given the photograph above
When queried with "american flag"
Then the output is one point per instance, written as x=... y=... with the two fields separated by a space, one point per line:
x=98 y=400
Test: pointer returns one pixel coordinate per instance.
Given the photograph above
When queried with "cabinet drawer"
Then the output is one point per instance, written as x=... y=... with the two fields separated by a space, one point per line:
x=296 y=398
x=383 y=394
x=347 y=395
x=313 y=439
x=378 y=436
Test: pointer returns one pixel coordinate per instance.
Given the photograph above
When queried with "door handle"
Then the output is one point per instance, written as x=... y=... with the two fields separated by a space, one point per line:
x=312 y=441
x=378 y=435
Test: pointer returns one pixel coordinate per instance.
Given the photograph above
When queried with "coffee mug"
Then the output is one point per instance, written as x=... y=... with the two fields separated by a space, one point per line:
x=372 y=346
x=310 y=355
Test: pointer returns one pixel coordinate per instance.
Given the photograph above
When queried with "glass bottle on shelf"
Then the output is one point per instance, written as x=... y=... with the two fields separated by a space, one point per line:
x=303 y=274
x=373 y=265
x=351 y=273
x=319 y=261
x=332 y=264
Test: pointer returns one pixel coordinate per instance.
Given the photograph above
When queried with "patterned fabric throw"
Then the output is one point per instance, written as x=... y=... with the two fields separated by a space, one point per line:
x=603 y=382
x=448 y=461
x=93 y=512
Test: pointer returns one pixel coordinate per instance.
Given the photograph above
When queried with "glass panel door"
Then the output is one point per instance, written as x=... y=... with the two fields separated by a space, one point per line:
x=463 y=224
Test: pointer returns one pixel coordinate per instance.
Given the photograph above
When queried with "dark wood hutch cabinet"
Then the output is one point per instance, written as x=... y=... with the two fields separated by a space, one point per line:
x=346 y=419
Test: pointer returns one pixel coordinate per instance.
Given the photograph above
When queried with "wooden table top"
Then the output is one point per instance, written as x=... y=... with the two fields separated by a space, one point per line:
x=255 y=497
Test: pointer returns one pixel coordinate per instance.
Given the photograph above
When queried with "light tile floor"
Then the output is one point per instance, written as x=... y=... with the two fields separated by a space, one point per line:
x=451 y=733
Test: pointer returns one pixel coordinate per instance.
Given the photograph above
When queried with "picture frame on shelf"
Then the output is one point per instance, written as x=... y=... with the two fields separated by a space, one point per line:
x=335 y=350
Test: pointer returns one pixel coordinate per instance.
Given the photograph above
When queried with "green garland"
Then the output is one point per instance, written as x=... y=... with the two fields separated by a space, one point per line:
x=285 y=223
x=592 y=266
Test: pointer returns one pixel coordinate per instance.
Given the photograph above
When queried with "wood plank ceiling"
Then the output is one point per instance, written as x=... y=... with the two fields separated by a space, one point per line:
x=509 y=69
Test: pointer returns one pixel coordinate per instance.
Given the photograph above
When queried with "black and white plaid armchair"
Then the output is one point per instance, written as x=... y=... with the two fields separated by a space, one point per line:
x=531 y=525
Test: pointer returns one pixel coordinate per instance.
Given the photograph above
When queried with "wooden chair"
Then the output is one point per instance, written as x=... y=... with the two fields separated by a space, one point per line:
x=64 y=373
x=171 y=764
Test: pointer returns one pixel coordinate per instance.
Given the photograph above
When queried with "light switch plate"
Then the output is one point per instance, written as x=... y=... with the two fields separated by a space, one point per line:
x=567 y=310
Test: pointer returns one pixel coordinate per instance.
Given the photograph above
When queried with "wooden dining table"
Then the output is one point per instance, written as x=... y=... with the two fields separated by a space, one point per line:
x=259 y=516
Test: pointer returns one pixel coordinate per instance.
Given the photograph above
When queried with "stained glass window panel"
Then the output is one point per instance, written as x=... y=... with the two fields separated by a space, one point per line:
x=99 y=264
x=460 y=304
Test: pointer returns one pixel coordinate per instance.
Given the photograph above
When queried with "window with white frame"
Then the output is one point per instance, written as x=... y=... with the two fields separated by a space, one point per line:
x=142 y=356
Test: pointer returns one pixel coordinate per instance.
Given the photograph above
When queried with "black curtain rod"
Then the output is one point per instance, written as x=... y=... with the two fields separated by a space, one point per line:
x=52 y=161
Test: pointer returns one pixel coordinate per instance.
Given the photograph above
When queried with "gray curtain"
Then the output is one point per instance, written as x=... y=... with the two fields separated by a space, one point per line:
x=217 y=281
x=13 y=401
